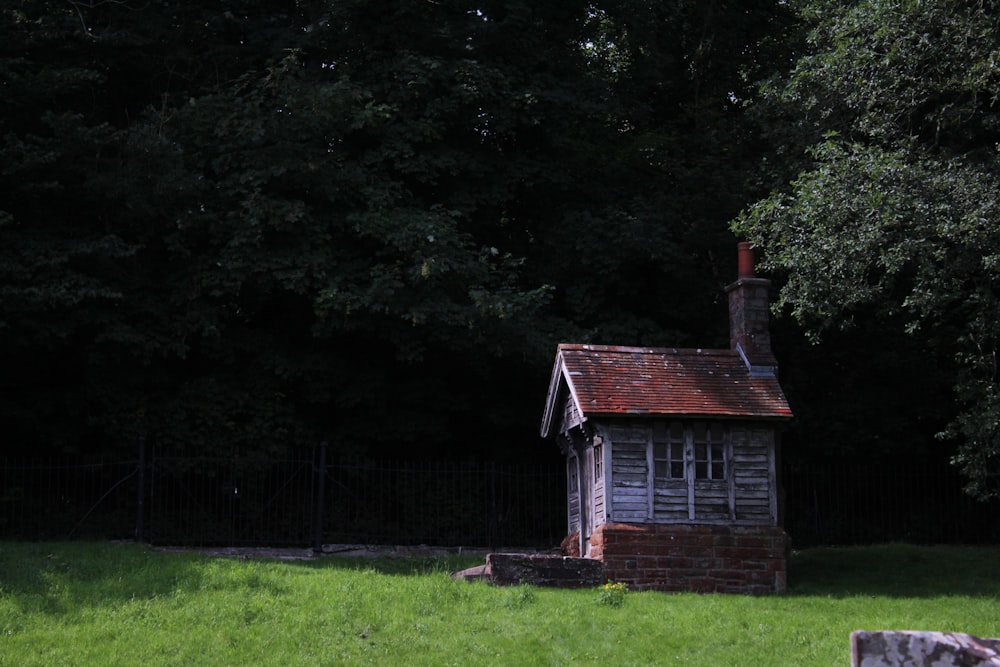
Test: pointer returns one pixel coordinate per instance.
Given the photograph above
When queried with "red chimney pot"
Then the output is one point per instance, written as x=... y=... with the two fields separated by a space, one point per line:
x=746 y=260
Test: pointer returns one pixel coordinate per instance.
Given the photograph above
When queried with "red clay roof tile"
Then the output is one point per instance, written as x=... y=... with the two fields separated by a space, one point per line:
x=611 y=380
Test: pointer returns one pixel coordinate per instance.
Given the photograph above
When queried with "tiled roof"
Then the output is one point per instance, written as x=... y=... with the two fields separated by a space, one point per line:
x=612 y=381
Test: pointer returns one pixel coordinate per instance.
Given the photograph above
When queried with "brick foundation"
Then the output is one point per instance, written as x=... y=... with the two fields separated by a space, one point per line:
x=707 y=559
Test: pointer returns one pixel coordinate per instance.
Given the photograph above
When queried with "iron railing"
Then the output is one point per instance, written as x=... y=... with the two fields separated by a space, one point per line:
x=306 y=501
x=862 y=503
x=249 y=501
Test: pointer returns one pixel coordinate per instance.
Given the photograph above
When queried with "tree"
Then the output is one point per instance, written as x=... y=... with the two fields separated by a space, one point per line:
x=240 y=227
x=643 y=258
x=894 y=220
x=81 y=334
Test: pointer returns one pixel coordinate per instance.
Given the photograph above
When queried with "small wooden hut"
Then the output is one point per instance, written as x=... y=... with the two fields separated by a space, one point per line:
x=672 y=455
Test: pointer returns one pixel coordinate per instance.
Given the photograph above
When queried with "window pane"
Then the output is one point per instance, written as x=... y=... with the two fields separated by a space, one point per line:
x=661 y=468
x=660 y=431
x=700 y=460
x=659 y=452
x=700 y=431
x=716 y=432
x=676 y=431
x=677 y=460
x=718 y=462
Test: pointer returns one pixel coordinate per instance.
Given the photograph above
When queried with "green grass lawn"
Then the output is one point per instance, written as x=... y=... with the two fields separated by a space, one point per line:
x=120 y=604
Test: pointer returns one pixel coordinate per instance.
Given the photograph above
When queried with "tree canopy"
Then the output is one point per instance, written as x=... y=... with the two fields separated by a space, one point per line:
x=893 y=220
x=242 y=226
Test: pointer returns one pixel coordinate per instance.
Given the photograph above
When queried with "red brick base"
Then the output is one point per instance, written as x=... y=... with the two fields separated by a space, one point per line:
x=677 y=557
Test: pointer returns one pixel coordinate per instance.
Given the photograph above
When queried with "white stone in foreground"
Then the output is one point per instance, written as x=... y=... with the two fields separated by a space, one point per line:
x=922 y=649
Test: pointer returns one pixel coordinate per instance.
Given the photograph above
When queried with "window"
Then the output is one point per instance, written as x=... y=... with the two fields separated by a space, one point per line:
x=688 y=472
x=699 y=444
x=709 y=461
x=571 y=476
x=668 y=455
x=598 y=462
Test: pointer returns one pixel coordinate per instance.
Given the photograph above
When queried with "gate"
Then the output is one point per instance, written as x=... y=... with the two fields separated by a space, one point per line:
x=231 y=501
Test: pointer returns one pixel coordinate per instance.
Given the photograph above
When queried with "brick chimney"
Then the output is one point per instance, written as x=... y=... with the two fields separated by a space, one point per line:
x=748 y=316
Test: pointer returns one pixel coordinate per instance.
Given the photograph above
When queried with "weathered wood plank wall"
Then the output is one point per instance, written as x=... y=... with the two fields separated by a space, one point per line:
x=746 y=495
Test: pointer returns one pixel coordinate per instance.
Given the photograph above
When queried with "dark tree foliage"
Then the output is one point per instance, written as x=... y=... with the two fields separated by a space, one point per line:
x=245 y=227
x=86 y=317
x=891 y=225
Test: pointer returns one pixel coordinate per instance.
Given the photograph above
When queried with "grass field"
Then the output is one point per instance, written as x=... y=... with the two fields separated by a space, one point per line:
x=121 y=604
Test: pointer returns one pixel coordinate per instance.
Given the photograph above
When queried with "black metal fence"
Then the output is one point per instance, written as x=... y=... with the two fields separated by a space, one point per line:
x=229 y=501
x=861 y=503
x=65 y=499
x=476 y=504
x=248 y=501
x=307 y=501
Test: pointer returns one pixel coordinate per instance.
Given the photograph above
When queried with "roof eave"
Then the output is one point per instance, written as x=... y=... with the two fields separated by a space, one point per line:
x=559 y=377
x=691 y=415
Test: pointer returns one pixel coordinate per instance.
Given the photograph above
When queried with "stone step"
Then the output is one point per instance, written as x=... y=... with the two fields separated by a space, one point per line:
x=537 y=570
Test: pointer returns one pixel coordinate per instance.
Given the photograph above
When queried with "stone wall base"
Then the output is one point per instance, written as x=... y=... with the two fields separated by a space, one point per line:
x=701 y=558
x=536 y=570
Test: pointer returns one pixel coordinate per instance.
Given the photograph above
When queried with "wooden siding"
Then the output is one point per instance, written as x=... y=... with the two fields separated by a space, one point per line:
x=571 y=416
x=711 y=500
x=746 y=495
x=599 y=515
x=572 y=496
x=753 y=481
x=670 y=501
x=574 y=513
x=598 y=483
x=630 y=494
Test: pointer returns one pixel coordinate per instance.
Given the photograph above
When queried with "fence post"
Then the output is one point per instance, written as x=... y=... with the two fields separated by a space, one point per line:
x=140 y=510
x=318 y=517
x=494 y=529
